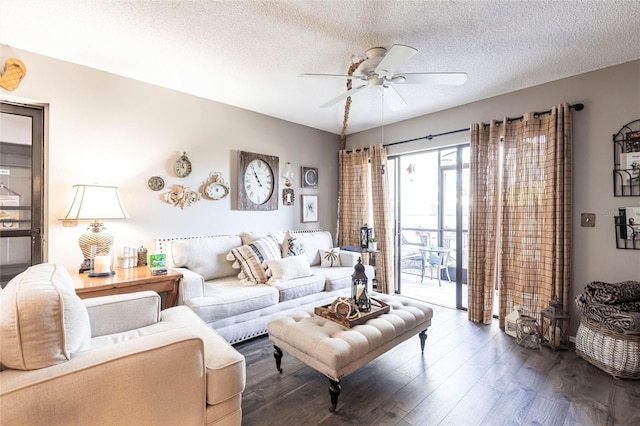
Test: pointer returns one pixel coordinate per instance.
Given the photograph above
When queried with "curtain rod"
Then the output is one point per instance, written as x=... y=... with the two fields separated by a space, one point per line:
x=577 y=107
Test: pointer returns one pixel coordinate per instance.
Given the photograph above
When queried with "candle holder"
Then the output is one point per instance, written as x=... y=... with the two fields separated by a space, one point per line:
x=101 y=261
x=359 y=293
x=555 y=326
x=527 y=332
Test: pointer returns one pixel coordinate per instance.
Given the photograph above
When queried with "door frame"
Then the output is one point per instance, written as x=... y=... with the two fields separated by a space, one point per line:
x=397 y=210
x=37 y=229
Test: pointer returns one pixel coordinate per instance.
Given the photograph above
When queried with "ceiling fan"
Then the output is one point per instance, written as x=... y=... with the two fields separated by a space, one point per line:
x=379 y=70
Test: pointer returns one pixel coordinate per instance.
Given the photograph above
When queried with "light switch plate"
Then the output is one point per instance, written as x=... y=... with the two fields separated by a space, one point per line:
x=588 y=220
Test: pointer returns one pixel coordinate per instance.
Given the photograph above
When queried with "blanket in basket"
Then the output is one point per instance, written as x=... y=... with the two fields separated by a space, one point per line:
x=614 y=306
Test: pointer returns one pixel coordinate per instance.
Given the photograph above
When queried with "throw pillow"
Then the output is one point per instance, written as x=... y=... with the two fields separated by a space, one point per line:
x=249 y=258
x=291 y=246
x=42 y=320
x=205 y=256
x=249 y=237
x=287 y=268
x=330 y=258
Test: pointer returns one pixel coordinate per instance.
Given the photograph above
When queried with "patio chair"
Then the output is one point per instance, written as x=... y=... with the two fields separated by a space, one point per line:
x=437 y=262
x=410 y=253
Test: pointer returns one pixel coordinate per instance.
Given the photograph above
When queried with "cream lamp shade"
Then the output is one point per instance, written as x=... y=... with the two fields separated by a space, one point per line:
x=95 y=203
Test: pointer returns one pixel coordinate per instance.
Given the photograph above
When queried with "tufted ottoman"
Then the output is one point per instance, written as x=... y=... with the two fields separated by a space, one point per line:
x=335 y=350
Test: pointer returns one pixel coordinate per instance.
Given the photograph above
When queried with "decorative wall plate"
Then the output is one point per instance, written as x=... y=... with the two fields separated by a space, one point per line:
x=155 y=183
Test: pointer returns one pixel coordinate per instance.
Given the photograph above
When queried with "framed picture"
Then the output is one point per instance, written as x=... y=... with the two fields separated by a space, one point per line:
x=309 y=177
x=288 y=196
x=309 y=208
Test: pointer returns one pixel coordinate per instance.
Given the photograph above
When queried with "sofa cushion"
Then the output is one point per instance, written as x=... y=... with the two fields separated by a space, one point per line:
x=288 y=268
x=335 y=278
x=42 y=321
x=299 y=287
x=228 y=297
x=250 y=257
x=291 y=246
x=330 y=258
x=205 y=256
x=313 y=242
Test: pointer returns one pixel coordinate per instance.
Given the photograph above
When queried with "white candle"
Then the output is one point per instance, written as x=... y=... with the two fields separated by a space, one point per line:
x=359 y=290
x=101 y=264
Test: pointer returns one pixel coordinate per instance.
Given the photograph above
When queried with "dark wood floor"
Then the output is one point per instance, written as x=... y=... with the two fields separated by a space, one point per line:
x=469 y=374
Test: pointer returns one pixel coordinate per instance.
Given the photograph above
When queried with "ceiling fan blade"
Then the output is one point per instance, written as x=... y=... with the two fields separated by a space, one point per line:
x=395 y=57
x=347 y=77
x=453 y=78
x=393 y=98
x=344 y=95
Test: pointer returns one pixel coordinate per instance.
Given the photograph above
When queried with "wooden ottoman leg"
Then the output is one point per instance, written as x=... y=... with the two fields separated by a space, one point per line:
x=334 y=391
x=423 y=338
x=277 y=354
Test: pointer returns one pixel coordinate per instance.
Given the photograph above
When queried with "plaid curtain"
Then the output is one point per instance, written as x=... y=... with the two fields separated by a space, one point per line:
x=353 y=208
x=361 y=170
x=534 y=230
x=382 y=219
x=483 y=220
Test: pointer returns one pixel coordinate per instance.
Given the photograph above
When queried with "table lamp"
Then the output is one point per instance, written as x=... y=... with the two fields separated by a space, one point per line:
x=95 y=203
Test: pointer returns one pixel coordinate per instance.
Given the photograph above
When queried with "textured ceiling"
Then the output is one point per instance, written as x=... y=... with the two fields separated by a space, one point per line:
x=250 y=53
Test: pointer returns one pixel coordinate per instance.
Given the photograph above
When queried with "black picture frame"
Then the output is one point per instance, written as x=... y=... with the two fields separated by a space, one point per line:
x=309 y=177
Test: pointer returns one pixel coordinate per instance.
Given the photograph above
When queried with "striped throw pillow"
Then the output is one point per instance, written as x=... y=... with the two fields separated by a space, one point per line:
x=249 y=259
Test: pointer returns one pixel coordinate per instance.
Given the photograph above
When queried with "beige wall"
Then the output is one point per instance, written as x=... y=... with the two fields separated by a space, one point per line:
x=111 y=130
x=612 y=98
x=107 y=129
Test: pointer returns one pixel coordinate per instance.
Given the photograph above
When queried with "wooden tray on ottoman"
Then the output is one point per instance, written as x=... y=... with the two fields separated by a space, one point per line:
x=326 y=312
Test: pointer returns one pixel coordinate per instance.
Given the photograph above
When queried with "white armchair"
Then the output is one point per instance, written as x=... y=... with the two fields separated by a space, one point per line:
x=109 y=360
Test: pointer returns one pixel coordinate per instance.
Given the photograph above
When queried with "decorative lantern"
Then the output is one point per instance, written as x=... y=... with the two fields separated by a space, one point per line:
x=555 y=326
x=510 y=321
x=364 y=236
x=527 y=332
x=359 y=288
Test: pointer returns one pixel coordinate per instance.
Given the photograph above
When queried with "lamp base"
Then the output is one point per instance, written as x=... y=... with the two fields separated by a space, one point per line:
x=102 y=274
x=85 y=266
x=96 y=236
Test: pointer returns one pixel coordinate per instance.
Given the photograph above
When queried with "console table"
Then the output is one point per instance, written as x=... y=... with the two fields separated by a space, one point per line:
x=129 y=280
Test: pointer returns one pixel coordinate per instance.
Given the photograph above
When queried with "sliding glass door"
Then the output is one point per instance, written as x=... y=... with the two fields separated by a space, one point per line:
x=429 y=191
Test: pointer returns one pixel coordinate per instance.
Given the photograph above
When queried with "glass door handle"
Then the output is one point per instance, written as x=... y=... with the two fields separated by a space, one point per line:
x=34 y=234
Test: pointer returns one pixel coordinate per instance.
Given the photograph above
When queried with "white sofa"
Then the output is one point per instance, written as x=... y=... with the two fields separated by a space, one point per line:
x=212 y=289
x=109 y=360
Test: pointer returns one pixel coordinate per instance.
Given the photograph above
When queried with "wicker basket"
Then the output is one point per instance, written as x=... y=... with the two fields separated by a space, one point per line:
x=615 y=353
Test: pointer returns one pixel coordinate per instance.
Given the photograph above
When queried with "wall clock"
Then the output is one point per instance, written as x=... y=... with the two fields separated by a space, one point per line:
x=257 y=181
x=309 y=177
x=215 y=188
x=183 y=166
